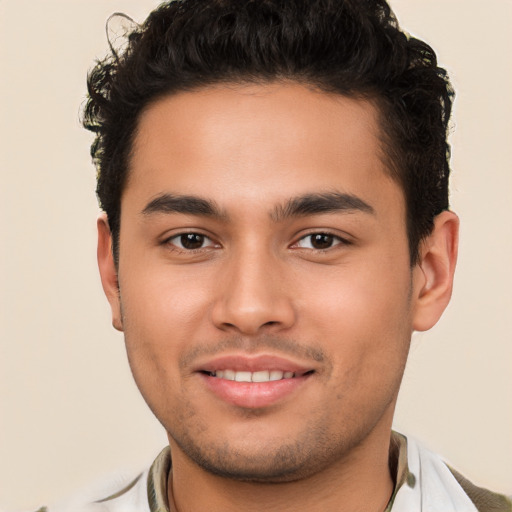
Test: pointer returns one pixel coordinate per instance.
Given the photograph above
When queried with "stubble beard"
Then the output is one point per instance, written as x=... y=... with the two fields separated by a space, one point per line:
x=270 y=464
x=314 y=449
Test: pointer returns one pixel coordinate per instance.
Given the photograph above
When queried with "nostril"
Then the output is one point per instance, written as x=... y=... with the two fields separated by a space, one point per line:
x=253 y=314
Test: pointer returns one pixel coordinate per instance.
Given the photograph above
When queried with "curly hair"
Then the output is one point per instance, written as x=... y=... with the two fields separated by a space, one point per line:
x=350 y=47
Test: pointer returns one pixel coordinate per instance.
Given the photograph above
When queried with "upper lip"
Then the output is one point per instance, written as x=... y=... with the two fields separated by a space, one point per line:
x=244 y=362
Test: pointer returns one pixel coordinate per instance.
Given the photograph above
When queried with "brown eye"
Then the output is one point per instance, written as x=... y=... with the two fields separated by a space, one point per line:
x=319 y=241
x=190 y=241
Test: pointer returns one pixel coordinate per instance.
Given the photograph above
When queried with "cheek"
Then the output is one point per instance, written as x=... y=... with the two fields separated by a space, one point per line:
x=165 y=299
x=162 y=314
x=363 y=312
x=363 y=322
x=367 y=293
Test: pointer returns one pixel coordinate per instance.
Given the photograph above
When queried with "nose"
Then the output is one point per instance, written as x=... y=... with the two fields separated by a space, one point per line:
x=253 y=295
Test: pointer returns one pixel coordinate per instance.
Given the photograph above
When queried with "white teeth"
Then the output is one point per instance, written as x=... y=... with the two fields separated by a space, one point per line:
x=243 y=377
x=229 y=374
x=260 y=376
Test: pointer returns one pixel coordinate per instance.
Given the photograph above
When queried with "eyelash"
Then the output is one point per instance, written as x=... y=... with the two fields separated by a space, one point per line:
x=182 y=249
x=336 y=241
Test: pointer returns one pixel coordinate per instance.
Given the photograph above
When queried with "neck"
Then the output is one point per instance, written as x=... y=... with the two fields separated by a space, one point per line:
x=343 y=486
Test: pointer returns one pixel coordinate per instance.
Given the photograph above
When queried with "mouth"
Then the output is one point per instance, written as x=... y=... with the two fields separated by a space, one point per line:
x=253 y=382
x=257 y=376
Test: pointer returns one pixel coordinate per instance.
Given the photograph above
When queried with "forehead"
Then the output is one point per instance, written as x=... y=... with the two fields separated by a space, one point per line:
x=253 y=143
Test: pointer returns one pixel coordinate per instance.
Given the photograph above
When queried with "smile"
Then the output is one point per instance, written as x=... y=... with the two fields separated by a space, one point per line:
x=254 y=381
x=245 y=376
x=254 y=389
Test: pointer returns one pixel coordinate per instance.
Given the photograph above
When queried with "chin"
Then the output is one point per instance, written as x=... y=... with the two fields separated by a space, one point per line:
x=268 y=462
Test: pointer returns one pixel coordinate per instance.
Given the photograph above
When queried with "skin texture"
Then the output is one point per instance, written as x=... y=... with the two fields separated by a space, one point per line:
x=256 y=285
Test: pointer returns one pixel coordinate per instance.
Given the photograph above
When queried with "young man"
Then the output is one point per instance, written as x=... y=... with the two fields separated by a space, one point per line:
x=274 y=177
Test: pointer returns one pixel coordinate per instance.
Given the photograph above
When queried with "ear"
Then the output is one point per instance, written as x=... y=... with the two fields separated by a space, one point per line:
x=108 y=270
x=433 y=274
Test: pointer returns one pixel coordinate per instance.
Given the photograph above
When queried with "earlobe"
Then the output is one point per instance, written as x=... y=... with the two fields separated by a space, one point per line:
x=433 y=275
x=108 y=270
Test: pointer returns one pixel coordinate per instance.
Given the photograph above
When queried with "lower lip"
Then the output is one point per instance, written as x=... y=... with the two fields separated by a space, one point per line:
x=253 y=395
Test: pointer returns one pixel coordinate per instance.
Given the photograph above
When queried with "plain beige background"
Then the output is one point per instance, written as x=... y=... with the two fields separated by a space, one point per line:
x=69 y=412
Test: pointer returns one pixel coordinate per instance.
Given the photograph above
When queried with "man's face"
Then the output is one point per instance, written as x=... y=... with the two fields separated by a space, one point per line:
x=261 y=238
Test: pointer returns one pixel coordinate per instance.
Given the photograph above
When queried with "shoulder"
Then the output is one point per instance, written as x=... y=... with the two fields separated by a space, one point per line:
x=484 y=499
x=434 y=486
x=124 y=492
x=119 y=492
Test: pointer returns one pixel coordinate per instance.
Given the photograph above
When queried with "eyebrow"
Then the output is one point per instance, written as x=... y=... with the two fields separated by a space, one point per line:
x=300 y=206
x=316 y=204
x=191 y=205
